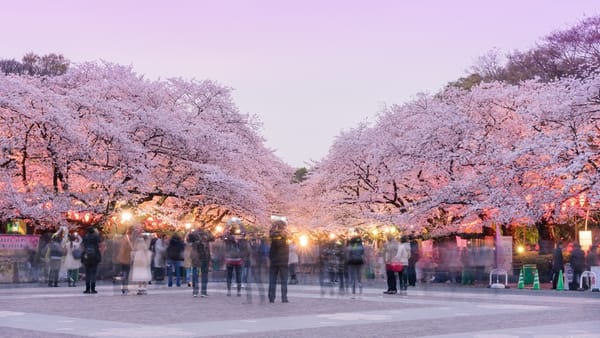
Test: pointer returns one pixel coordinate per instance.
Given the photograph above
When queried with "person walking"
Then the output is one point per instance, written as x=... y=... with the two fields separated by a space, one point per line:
x=200 y=259
x=142 y=258
x=124 y=260
x=558 y=264
x=279 y=254
x=175 y=250
x=389 y=252
x=72 y=262
x=356 y=260
x=91 y=258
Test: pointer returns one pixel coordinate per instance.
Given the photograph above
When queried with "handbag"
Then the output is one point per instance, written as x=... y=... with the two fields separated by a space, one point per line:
x=396 y=266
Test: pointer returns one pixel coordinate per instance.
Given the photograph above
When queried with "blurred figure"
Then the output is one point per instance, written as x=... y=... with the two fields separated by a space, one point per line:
x=233 y=258
x=159 y=257
x=279 y=254
x=91 y=258
x=200 y=258
x=293 y=263
x=558 y=264
x=389 y=252
x=142 y=258
x=187 y=261
x=403 y=256
x=246 y=252
x=412 y=261
x=260 y=256
x=175 y=250
x=578 y=265
x=337 y=265
x=40 y=261
x=467 y=267
x=356 y=259
x=55 y=255
x=72 y=263
x=124 y=260
x=592 y=257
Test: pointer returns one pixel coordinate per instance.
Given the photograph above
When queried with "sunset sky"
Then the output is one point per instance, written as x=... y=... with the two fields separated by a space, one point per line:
x=307 y=69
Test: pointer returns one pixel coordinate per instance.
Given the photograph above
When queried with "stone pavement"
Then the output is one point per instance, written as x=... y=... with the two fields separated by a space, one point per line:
x=426 y=311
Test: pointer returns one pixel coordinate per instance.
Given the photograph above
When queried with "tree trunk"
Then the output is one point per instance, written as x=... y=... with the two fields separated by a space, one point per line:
x=546 y=237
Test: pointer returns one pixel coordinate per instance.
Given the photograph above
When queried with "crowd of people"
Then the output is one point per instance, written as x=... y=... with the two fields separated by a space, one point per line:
x=247 y=261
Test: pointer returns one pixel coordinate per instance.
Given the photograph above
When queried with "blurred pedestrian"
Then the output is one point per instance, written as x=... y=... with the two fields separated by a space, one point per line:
x=91 y=258
x=142 y=258
x=578 y=264
x=72 y=261
x=389 y=252
x=558 y=264
x=200 y=259
x=159 y=257
x=279 y=256
x=412 y=261
x=592 y=257
x=233 y=257
x=356 y=260
x=403 y=256
x=293 y=263
x=175 y=250
x=55 y=253
x=124 y=259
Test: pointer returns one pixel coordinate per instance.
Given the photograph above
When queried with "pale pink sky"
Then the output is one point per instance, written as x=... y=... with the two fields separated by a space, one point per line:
x=308 y=69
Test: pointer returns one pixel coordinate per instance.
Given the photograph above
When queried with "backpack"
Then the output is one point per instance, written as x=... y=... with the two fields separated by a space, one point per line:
x=91 y=255
x=56 y=250
x=355 y=255
x=77 y=252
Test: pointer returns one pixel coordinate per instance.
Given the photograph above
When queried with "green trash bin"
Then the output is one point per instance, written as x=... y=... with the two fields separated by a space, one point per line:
x=528 y=273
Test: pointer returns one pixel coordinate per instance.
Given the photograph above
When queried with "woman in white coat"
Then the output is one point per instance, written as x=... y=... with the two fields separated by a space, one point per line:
x=72 y=261
x=141 y=259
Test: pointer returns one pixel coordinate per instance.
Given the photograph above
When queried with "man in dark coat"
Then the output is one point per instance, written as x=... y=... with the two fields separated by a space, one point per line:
x=279 y=256
x=200 y=257
x=91 y=258
x=557 y=264
x=578 y=265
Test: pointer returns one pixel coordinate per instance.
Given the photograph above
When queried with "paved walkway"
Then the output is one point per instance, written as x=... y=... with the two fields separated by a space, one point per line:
x=426 y=311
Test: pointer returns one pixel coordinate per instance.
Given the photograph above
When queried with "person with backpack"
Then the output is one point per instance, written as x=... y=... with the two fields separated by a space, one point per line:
x=91 y=258
x=279 y=255
x=356 y=259
x=200 y=259
x=175 y=259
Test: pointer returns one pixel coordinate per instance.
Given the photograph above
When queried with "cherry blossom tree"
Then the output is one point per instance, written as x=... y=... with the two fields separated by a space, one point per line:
x=101 y=137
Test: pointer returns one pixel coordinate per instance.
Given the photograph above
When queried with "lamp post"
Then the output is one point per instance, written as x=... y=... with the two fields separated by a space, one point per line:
x=585 y=236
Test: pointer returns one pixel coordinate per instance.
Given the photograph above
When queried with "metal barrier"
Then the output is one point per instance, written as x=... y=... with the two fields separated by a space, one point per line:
x=497 y=284
x=591 y=279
